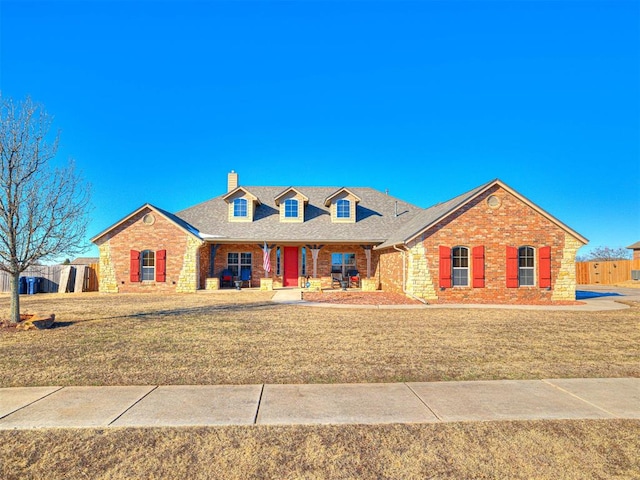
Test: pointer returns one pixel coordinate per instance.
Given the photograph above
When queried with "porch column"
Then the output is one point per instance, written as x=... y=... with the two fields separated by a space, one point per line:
x=367 y=253
x=213 y=249
x=315 y=249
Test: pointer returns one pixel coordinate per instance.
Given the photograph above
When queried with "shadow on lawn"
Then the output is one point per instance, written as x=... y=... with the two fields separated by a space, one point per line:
x=209 y=309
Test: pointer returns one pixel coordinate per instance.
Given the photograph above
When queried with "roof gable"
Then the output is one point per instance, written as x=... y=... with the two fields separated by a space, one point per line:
x=286 y=191
x=243 y=192
x=433 y=215
x=179 y=222
x=340 y=191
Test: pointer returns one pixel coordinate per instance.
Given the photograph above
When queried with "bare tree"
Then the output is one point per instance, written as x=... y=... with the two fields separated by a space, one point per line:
x=42 y=209
x=605 y=254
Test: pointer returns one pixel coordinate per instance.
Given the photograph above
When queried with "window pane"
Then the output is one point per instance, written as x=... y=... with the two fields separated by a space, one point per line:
x=342 y=208
x=245 y=259
x=526 y=277
x=350 y=259
x=460 y=257
x=460 y=277
x=525 y=257
x=277 y=260
x=148 y=258
x=232 y=258
x=304 y=261
x=291 y=208
x=147 y=273
x=240 y=207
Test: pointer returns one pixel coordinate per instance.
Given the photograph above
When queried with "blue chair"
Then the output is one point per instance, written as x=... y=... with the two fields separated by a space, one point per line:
x=226 y=277
x=245 y=276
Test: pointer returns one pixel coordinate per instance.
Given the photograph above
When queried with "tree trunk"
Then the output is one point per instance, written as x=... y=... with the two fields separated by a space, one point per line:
x=15 y=298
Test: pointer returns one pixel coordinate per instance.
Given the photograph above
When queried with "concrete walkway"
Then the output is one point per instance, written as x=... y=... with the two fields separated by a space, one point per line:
x=293 y=296
x=155 y=406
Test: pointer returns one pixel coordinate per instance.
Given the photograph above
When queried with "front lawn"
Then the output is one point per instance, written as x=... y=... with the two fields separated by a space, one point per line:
x=241 y=338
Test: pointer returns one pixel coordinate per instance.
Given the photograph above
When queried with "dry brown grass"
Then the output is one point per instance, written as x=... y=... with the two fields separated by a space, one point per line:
x=241 y=338
x=514 y=450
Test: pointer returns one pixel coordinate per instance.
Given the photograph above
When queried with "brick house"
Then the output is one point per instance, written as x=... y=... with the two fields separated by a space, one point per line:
x=488 y=245
x=635 y=248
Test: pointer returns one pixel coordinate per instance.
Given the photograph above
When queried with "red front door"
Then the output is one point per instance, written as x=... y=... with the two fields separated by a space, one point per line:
x=290 y=277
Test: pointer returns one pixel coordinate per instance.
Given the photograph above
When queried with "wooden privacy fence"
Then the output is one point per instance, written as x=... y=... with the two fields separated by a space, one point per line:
x=605 y=273
x=51 y=275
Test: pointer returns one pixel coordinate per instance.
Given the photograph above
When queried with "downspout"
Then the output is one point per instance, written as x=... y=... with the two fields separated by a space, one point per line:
x=404 y=277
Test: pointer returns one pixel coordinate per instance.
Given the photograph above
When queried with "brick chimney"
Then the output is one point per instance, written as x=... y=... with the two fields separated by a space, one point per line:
x=232 y=181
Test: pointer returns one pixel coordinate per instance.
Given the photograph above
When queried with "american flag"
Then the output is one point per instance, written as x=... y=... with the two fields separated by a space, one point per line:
x=266 y=261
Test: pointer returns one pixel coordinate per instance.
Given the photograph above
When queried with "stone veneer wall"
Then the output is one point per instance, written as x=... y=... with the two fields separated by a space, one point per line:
x=419 y=281
x=188 y=279
x=107 y=283
x=565 y=281
x=389 y=271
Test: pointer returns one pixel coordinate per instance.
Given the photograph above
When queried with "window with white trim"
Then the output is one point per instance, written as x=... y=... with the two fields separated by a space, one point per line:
x=343 y=208
x=460 y=266
x=147 y=265
x=237 y=261
x=526 y=266
x=240 y=207
x=291 y=208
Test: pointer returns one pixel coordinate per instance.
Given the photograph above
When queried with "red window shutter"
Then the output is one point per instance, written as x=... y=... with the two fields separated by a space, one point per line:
x=134 y=266
x=478 y=266
x=544 y=263
x=445 y=267
x=161 y=266
x=512 y=267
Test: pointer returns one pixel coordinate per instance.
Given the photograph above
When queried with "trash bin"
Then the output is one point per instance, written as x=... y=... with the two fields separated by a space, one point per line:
x=22 y=285
x=33 y=284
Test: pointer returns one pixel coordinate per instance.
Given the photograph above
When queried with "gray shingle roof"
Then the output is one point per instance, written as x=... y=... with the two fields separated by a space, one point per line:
x=429 y=216
x=635 y=246
x=375 y=214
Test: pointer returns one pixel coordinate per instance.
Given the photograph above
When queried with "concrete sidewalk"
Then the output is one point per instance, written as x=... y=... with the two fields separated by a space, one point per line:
x=155 y=406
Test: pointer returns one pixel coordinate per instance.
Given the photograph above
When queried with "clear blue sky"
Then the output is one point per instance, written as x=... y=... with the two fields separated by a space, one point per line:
x=157 y=101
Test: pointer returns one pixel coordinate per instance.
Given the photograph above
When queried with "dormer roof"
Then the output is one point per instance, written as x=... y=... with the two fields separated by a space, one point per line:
x=340 y=191
x=245 y=192
x=286 y=191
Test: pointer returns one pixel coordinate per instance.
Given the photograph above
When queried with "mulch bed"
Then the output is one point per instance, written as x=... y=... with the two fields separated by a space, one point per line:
x=359 y=298
x=388 y=298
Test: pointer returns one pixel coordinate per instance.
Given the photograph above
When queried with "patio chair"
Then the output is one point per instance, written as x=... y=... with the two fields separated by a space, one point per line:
x=226 y=277
x=245 y=276
x=336 y=278
x=353 y=276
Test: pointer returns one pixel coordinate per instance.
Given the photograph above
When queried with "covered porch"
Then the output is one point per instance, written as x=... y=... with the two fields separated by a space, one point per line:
x=269 y=266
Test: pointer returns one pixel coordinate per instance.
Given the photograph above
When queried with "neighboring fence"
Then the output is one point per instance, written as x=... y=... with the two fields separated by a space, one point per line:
x=50 y=276
x=605 y=273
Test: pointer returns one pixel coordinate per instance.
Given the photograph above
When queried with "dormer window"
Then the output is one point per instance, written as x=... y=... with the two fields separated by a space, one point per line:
x=342 y=205
x=343 y=208
x=291 y=203
x=291 y=208
x=242 y=204
x=240 y=207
